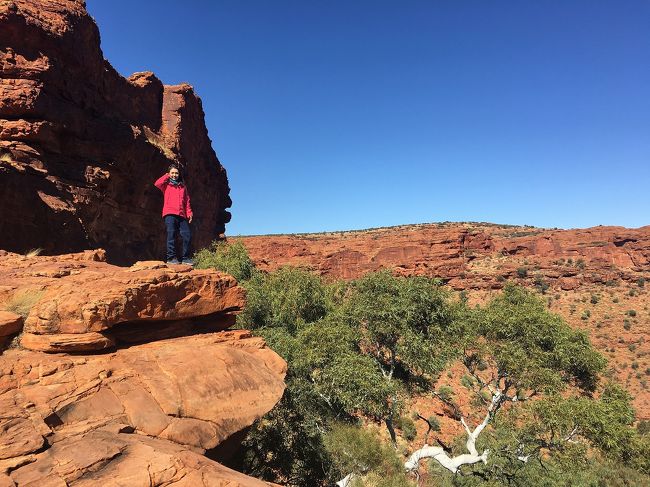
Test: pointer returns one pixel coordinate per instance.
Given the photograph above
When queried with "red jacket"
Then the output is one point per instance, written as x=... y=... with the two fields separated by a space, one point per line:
x=176 y=198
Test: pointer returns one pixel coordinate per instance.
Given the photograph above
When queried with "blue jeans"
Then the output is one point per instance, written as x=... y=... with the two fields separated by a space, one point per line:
x=174 y=224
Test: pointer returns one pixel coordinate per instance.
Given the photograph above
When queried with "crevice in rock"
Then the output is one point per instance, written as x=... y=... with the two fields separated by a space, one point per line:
x=228 y=452
x=621 y=242
x=53 y=421
x=132 y=333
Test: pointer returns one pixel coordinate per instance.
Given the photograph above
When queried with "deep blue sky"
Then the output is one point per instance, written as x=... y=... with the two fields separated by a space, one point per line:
x=343 y=114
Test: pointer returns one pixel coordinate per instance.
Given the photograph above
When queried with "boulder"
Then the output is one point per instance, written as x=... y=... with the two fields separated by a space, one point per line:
x=141 y=377
x=10 y=323
x=139 y=416
x=79 y=303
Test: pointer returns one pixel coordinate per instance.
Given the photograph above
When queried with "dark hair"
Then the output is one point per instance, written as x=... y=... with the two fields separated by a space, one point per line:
x=175 y=166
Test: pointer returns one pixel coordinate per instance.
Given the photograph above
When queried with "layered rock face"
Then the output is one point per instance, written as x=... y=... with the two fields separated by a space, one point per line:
x=80 y=145
x=465 y=255
x=80 y=303
x=149 y=385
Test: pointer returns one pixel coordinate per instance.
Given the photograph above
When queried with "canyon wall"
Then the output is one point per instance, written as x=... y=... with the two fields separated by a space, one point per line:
x=466 y=255
x=80 y=145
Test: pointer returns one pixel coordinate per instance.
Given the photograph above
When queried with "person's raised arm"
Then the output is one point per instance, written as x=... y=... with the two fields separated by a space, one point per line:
x=162 y=182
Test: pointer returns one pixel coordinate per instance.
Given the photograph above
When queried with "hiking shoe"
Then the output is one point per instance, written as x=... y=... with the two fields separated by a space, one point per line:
x=187 y=261
x=173 y=261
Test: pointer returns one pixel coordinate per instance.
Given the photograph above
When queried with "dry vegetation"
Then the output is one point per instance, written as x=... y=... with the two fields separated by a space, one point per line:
x=23 y=301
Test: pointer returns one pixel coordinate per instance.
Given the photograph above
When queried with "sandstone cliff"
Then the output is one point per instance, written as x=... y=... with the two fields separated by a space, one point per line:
x=466 y=255
x=80 y=145
x=149 y=383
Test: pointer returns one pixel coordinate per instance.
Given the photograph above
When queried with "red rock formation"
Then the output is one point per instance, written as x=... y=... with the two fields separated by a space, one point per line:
x=140 y=416
x=82 y=305
x=467 y=256
x=137 y=415
x=80 y=145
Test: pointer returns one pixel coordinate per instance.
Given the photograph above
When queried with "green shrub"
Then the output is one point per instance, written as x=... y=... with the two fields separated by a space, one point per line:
x=445 y=393
x=231 y=258
x=631 y=313
x=353 y=449
x=541 y=285
x=643 y=427
x=594 y=299
x=288 y=297
x=360 y=451
x=522 y=272
x=467 y=382
x=407 y=426
x=434 y=422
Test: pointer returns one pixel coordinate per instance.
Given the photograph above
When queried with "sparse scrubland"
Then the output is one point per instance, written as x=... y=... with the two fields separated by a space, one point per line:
x=519 y=397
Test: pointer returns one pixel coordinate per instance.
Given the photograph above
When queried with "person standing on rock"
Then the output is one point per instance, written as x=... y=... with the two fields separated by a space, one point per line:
x=177 y=213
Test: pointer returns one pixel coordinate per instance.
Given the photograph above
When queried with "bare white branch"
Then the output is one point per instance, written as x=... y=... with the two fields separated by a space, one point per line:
x=345 y=481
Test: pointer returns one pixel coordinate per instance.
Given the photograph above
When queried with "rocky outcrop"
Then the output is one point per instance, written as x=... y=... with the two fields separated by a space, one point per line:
x=465 y=255
x=80 y=145
x=138 y=416
x=150 y=381
x=80 y=303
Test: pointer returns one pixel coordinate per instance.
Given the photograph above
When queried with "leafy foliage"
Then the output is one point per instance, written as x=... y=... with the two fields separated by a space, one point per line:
x=363 y=349
x=405 y=323
x=287 y=298
x=532 y=349
x=348 y=355
x=360 y=452
x=231 y=258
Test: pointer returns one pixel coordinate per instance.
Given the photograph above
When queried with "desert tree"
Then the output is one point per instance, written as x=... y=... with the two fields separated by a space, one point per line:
x=354 y=350
x=514 y=350
x=405 y=326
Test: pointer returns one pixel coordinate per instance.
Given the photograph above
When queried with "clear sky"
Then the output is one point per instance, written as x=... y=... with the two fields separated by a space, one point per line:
x=348 y=114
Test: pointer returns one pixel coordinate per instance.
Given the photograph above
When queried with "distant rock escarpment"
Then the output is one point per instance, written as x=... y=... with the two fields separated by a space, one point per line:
x=125 y=376
x=466 y=255
x=80 y=146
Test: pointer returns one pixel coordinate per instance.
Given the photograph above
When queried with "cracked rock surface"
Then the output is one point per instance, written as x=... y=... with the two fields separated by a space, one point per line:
x=140 y=378
x=142 y=415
